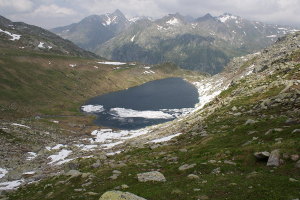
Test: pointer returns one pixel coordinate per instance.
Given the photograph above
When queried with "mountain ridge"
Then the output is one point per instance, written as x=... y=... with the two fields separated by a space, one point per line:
x=161 y=39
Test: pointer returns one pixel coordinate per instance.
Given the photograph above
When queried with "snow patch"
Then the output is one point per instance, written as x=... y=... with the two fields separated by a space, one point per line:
x=165 y=139
x=132 y=39
x=271 y=36
x=3 y=172
x=20 y=125
x=148 y=114
x=173 y=21
x=10 y=185
x=60 y=158
x=72 y=65
x=149 y=72
x=113 y=153
x=41 y=45
x=92 y=108
x=31 y=156
x=226 y=17
x=109 y=20
x=112 y=63
x=14 y=36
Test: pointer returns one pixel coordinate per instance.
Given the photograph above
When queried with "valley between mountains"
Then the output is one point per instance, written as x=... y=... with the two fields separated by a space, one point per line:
x=241 y=141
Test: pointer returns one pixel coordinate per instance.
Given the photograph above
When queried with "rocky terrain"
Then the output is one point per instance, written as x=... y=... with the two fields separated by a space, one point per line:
x=241 y=142
x=205 y=44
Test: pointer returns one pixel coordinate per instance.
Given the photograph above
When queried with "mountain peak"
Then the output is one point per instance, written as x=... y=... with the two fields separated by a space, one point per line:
x=205 y=18
x=118 y=13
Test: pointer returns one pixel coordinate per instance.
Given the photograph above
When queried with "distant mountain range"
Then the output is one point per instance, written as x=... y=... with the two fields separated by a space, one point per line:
x=19 y=35
x=205 y=44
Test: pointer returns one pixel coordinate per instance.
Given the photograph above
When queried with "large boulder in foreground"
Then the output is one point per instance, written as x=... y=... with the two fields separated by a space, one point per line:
x=151 y=176
x=274 y=159
x=118 y=195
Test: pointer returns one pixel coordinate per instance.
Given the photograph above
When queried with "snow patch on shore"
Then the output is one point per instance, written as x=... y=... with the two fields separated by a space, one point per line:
x=10 y=185
x=112 y=63
x=92 y=108
x=60 y=158
x=148 y=114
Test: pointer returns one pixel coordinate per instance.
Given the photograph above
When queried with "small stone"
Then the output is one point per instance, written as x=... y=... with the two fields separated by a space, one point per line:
x=114 y=176
x=212 y=161
x=176 y=191
x=229 y=162
x=203 y=197
x=92 y=193
x=151 y=176
x=118 y=195
x=262 y=156
x=232 y=184
x=296 y=131
x=250 y=121
x=186 y=166
x=193 y=176
x=274 y=159
x=196 y=189
x=124 y=186
x=234 y=108
x=116 y=172
x=96 y=164
x=295 y=157
x=73 y=173
x=297 y=165
x=183 y=150
x=216 y=171
x=293 y=180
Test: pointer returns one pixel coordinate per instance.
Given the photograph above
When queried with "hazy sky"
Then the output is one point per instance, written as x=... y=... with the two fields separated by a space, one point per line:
x=53 y=13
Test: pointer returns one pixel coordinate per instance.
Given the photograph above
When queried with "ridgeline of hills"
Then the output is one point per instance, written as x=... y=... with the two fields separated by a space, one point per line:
x=241 y=142
x=205 y=44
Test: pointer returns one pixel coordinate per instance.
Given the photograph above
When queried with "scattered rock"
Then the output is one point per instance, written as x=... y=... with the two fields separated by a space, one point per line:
x=297 y=165
x=203 y=197
x=73 y=173
x=296 y=131
x=118 y=195
x=216 y=171
x=97 y=164
x=193 y=176
x=293 y=180
x=186 y=166
x=183 y=150
x=274 y=159
x=295 y=157
x=262 y=156
x=92 y=193
x=124 y=186
x=250 y=121
x=229 y=162
x=151 y=176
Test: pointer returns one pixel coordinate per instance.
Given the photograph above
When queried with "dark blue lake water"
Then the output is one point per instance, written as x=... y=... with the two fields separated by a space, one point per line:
x=148 y=104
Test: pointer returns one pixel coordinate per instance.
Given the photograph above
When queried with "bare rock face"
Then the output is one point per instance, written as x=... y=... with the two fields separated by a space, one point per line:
x=274 y=159
x=118 y=195
x=151 y=176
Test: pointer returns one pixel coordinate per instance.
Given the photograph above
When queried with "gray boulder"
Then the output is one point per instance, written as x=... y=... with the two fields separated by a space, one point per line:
x=261 y=156
x=151 y=176
x=274 y=159
x=186 y=166
x=118 y=195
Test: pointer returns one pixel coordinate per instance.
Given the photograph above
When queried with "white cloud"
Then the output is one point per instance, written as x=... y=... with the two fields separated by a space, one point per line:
x=17 y=5
x=52 y=10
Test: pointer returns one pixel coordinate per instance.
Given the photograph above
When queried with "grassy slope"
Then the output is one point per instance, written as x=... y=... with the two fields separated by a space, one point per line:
x=228 y=139
x=37 y=83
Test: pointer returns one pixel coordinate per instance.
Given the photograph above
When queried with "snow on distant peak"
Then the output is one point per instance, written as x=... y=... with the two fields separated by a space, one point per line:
x=134 y=19
x=14 y=36
x=109 y=20
x=226 y=17
x=132 y=39
x=173 y=21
